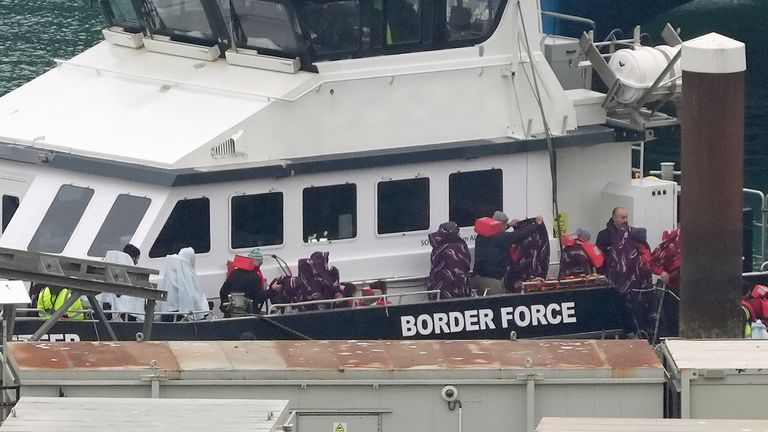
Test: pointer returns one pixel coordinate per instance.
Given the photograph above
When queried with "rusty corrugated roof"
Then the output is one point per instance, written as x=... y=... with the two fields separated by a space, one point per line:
x=617 y=357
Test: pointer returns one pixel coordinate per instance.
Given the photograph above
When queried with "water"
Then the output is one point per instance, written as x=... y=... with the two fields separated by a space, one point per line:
x=36 y=31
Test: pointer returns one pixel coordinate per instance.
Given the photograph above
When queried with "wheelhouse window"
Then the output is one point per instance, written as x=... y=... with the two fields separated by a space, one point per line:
x=270 y=27
x=332 y=27
x=474 y=194
x=315 y=30
x=402 y=205
x=10 y=205
x=330 y=212
x=471 y=19
x=401 y=21
x=189 y=225
x=257 y=220
x=120 y=225
x=120 y=13
x=181 y=20
x=60 y=220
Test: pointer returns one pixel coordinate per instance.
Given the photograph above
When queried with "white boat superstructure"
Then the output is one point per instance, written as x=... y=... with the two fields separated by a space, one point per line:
x=360 y=142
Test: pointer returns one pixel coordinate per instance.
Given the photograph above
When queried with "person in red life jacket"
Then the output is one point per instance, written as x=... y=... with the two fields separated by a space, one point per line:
x=381 y=287
x=665 y=262
x=579 y=256
x=492 y=252
x=640 y=236
x=346 y=296
x=450 y=262
x=755 y=304
x=528 y=258
x=605 y=238
x=245 y=277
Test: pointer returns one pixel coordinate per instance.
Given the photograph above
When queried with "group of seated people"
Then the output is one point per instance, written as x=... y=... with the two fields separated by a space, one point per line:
x=245 y=289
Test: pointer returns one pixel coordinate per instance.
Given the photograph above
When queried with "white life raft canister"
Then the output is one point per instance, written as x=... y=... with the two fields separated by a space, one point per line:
x=638 y=68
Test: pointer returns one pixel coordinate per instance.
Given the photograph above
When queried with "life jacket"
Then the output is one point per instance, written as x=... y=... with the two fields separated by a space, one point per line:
x=488 y=227
x=48 y=304
x=245 y=263
x=240 y=262
x=593 y=252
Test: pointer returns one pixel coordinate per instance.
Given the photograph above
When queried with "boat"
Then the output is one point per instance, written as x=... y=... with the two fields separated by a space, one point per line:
x=296 y=126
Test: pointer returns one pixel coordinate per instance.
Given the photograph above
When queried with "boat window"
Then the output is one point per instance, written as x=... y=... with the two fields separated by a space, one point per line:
x=181 y=20
x=402 y=205
x=121 y=13
x=120 y=225
x=332 y=27
x=189 y=225
x=10 y=205
x=474 y=194
x=401 y=20
x=330 y=212
x=61 y=219
x=470 y=19
x=270 y=27
x=257 y=220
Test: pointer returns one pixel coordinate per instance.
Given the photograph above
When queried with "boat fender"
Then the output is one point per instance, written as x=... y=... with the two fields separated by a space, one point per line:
x=488 y=227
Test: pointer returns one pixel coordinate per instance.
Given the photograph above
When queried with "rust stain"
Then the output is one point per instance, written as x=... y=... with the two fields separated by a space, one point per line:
x=92 y=355
x=623 y=357
x=466 y=354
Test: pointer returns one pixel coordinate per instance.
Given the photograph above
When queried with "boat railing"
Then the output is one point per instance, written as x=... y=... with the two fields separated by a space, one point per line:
x=90 y=314
x=372 y=298
x=761 y=225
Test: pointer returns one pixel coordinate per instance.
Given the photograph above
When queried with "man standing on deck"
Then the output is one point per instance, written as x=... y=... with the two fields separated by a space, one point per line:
x=492 y=254
x=619 y=219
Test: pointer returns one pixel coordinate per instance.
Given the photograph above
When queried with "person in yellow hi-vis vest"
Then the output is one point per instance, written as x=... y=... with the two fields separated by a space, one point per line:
x=51 y=299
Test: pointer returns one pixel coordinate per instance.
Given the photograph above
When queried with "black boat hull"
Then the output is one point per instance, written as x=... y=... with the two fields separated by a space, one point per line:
x=585 y=312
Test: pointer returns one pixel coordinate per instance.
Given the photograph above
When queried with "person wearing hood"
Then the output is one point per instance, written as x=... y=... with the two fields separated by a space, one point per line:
x=180 y=280
x=450 y=260
x=605 y=238
x=133 y=307
x=492 y=254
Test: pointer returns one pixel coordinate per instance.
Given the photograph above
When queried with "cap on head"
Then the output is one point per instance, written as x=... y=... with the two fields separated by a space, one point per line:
x=583 y=234
x=256 y=256
x=639 y=234
x=500 y=216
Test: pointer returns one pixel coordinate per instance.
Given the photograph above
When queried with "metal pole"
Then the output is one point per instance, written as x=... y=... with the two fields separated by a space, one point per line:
x=100 y=313
x=149 y=318
x=712 y=124
x=6 y=337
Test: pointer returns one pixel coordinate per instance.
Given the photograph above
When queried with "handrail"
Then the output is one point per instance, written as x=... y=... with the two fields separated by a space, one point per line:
x=566 y=17
x=336 y=300
x=90 y=312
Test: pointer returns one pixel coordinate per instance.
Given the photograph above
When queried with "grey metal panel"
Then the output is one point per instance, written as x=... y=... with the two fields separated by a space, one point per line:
x=130 y=415
x=570 y=424
x=587 y=135
x=744 y=354
x=718 y=378
x=397 y=383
